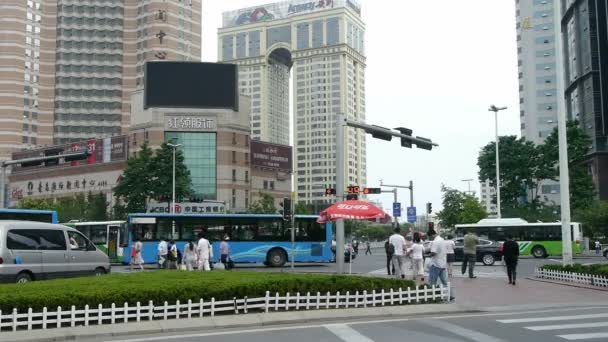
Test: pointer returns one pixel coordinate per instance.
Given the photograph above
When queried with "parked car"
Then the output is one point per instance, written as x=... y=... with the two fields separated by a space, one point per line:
x=487 y=251
x=605 y=252
x=34 y=251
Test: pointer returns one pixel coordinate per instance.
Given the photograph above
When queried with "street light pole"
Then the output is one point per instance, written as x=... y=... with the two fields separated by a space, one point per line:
x=340 y=125
x=172 y=210
x=495 y=109
x=469 y=180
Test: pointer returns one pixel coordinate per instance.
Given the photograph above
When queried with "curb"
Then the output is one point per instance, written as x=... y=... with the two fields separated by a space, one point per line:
x=229 y=322
x=580 y=286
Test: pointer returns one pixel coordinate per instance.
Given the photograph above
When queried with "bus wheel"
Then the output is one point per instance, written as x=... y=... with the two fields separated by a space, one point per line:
x=276 y=257
x=539 y=252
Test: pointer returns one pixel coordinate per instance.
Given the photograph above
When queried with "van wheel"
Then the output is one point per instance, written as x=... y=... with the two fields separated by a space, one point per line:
x=277 y=258
x=539 y=252
x=23 y=278
x=99 y=271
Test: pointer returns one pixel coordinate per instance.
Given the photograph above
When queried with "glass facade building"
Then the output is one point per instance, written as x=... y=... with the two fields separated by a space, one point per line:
x=200 y=156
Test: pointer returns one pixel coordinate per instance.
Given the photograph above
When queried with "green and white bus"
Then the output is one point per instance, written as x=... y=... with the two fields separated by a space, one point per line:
x=109 y=236
x=537 y=239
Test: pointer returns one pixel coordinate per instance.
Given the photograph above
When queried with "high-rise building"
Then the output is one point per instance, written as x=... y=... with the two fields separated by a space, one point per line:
x=69 y=67
x=487 y=196
x=585 y=41
x=322 y=42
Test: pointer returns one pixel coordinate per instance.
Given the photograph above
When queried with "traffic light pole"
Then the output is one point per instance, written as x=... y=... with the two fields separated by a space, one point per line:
x=8 y=163
x=410 y=187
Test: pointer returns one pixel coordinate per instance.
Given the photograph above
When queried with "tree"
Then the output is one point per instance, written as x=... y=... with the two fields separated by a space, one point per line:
x=97 y=207
x=459 y=207
x=302 y=209
x=36 y=203
x=264 y=205
x=134 y=187
x=522 y=168
x=594 y=219
x=162 y=169
x=581 y=183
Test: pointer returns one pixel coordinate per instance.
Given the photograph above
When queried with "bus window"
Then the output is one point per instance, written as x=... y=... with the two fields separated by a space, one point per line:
x=97 y=234
x=309 y=231
x=145 y=232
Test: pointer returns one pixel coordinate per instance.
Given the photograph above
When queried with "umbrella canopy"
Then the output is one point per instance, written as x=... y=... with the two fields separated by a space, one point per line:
x=352 y=210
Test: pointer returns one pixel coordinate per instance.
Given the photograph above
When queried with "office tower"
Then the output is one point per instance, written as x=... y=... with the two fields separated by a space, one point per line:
x=319 y=44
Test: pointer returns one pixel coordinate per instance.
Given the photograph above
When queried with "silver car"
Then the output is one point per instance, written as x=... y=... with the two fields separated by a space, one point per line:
x=35 y=251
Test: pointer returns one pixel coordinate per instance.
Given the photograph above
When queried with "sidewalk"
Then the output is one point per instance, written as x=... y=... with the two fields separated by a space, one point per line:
x=228 y=321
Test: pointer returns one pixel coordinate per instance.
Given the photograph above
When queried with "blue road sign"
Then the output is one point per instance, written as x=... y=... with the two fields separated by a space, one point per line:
x=411 y=214
x=396 y=209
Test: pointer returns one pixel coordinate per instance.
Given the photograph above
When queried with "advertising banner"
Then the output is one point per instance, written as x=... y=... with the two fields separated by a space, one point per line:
x=271 y=156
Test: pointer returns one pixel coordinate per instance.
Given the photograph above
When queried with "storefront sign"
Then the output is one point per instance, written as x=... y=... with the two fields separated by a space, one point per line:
x=271 y=156
x=283 y=10
x=189 y=123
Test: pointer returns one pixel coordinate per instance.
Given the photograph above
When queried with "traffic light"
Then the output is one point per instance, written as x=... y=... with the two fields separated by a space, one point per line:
x=353 y=189
x=77 y=156
x=405 y=131
x=52 y=152
x=352 y=197
x=32 y=163
x=330 y=191
x=286 y=209
x=432 y=225
x=429 y=208
x=424 y=146
x=381 y=135
x=368 y=191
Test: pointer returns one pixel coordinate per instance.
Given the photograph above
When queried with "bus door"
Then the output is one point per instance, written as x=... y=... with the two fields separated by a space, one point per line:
x=113 y=242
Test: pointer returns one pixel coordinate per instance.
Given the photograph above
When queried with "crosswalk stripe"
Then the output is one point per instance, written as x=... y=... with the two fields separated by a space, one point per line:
x=346 y=333
x=573 y=337
x=568 y=326
x=552 y=318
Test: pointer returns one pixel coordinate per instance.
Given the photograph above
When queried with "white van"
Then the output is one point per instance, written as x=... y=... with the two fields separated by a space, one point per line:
x=35 y=250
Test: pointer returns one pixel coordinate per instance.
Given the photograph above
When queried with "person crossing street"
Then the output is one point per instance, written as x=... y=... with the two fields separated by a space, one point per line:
x=511 y=254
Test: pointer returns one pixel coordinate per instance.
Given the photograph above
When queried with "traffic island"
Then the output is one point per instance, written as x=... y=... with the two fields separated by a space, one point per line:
x=169 y=295
x=588 y=276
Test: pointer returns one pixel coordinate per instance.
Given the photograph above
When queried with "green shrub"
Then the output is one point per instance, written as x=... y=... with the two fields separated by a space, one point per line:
x=161 y=286
x=597 y=269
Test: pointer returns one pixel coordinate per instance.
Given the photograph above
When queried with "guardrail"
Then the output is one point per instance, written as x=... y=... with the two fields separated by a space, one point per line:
x=16 y=321
x=571 y=277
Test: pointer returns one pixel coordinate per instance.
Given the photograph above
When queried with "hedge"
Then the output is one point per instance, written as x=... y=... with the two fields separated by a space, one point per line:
x=160 y=286
x=597 y=269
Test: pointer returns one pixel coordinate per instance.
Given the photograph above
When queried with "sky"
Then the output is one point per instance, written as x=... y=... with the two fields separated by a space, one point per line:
x=434 y=67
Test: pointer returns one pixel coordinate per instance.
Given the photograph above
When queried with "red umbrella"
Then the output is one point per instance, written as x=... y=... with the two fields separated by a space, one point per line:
x=352 y=210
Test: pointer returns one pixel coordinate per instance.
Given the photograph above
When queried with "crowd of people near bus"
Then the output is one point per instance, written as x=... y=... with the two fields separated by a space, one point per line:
x=414 y=254
x=196 y=255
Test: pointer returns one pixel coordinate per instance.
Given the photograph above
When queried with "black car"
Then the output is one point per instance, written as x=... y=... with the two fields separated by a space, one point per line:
x=488 y=252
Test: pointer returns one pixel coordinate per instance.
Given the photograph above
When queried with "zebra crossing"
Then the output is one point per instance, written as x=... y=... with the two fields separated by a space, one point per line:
x=586 y=326
x=497 y=271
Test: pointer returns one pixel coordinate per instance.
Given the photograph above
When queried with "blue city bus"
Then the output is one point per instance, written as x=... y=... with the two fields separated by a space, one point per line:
x=48 y=216
x=253 y=238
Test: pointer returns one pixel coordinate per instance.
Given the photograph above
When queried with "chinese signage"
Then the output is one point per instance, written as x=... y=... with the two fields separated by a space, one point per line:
x=271 y=156
x=174 y=122
x=188 y=208
x=102 y=151
x=64 y=185
x=283 y=10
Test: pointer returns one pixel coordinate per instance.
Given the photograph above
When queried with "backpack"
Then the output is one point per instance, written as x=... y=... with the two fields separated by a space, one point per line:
x=390 y=248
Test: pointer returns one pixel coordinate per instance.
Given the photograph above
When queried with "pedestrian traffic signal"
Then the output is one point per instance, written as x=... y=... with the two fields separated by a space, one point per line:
x=429 y=208
x=330 y=191
x=368 y=191
x=354 y=189
x=352 y=197
x=404 y=141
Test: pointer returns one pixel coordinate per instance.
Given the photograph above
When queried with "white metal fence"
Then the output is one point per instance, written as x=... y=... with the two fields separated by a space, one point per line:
x=571 y=277
x=14 y=321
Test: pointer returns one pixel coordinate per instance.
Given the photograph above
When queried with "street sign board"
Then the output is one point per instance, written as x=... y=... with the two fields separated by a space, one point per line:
x=396 y=209
x=411 y=214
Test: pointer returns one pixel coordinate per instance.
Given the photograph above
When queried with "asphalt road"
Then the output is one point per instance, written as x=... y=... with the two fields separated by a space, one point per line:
x=549 y=324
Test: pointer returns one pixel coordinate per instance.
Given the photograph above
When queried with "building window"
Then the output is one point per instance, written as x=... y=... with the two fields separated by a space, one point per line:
x=265 y=185
x=246 y=198
x=234 y=156
x=246 y=176
x=233 y=138
x=246 y=158
x=233 y=175
x=271 y=185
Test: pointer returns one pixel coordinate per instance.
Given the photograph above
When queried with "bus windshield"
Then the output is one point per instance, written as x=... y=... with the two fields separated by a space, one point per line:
x=48 y=216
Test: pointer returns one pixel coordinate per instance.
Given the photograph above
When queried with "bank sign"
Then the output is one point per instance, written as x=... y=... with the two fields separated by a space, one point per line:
x=282 y=10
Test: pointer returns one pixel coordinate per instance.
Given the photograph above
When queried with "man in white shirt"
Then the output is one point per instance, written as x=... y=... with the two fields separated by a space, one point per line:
x=163 y=250
x=204 y=253
x=439 y=261
x=397 y=242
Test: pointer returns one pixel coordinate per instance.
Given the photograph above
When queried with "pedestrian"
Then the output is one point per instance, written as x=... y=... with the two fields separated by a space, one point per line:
x=408 y=259
x=598 y=247
x=510 y=250
x=416 y=252
x=397 y=241
x=204 y=251
x=163 y=249
x=451 y=257
x=172 y=255
x=225 y=253
x=368 y=248
x=333 y=246
x=356 y=246
x=470 y=253
x=190 y=256
x=389 y=258
x=136 y=258
x=439 y=262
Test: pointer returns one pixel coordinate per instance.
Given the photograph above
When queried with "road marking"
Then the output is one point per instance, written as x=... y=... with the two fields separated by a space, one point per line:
x=588 y=336
x=346 y=333
x=552 y=318
x=568 y=326
x=460 y=331
x=554 y=260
